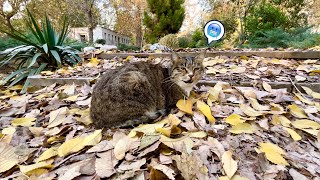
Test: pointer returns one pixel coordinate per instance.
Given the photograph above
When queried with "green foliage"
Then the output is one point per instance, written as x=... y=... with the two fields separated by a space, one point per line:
x=184 y=42
x=164 y=17
x=9 y=42
x=266 y=17
x=296 y=38
x=124 y=47
x=170 y=40
x=198 y=39
x=46 y=51
x=101 y=41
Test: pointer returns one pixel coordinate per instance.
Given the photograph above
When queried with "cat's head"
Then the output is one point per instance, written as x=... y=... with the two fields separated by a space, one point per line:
x=187 y=71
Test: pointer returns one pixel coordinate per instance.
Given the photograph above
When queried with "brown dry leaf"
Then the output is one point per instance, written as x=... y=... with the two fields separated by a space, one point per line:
x=249 y=111
x=296 y=111
x=215 y=91
x=229 y=165
x=105 y=164
x=266 y=87
x=71 y=173
x=134 y=166
x=216 y=147
x=165 y=169
x=205 y=109
x=185 y=106
x=102 y=146
x=8 y=158
x=57 y=117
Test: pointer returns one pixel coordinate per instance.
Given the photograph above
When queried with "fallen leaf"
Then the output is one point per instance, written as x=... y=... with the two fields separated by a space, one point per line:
x=92 y=139
x=302 y=99
x=71 y=146
x=229 y=165
x=280 y=119
x=57 y=117
x=23 y=122
x=311 y=93
x=8 y=158
x=295 y=136
x=234 y=119
x=185 y=106
x=249 y=111
x=305 y=124
x=49 y=153
x=205 y=109
x=28 y=168
x=242 y=128
x=266 y=86
x=255 y=104
x=273 y=153
x=179 y=144
x=296 y=111
x=165 y=169
x=105 y=164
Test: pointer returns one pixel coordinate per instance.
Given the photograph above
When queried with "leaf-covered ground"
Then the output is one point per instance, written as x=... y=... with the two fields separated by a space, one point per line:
x=220 y=132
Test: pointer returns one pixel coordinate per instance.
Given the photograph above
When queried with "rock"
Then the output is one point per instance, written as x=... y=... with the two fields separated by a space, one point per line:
x=89 y=49
x=108 y=47
x=158 y=46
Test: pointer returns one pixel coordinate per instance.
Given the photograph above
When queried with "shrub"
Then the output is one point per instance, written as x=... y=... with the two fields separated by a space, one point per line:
x=101 y=41
x=46 y=52
x=184 y=42
x=124 y=47
x=296 y=38
x=170 y=40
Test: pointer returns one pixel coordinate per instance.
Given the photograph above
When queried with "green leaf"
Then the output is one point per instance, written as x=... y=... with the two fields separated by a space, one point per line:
x=56 y=55
x=45 y=47
x=34 y=59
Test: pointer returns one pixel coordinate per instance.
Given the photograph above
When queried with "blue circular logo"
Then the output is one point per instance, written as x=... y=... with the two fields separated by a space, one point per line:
x=214 y=30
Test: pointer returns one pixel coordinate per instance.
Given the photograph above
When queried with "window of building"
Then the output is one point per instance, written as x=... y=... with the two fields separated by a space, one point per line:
x=82 y=37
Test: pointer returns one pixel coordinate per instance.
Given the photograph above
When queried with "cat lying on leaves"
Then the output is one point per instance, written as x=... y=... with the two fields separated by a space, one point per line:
x=141 y=92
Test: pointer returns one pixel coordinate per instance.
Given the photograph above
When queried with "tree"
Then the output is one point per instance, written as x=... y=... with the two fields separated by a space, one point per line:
x=129 y=21
x=8 y=9
x=164 y=17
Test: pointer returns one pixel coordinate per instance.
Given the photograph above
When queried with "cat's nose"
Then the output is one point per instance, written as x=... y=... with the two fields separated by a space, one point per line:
x=190 y=76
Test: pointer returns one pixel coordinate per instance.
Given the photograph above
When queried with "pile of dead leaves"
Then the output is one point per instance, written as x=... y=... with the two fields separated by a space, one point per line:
x=220 y=132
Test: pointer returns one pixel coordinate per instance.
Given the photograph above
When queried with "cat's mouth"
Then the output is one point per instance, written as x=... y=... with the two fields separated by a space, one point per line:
x=188 y=81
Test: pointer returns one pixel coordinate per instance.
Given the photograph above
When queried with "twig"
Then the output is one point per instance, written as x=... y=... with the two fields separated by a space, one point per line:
x=296 y=87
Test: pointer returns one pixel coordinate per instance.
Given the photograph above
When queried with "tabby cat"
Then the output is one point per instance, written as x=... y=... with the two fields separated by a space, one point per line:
x=141 y=92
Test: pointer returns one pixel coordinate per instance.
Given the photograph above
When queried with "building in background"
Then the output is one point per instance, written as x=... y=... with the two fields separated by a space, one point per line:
x=112 y=38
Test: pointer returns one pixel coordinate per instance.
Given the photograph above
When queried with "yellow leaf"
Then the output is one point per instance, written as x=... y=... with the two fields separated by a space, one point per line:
x=296 y=111
x=49 y=153
x=46 y=73
x=273 y=153
x=276 y=158
x=224 y=178
x=85 y=117
x=23 y=122
x=234 y=119
x=164 y=131
x=158 y=51
x=72 y=98
x=185 y=106
x=295 y=136
x=179 y=144
x=302 y=99
x=280 y=119
x=147 y=128
x=93 y=139
x=122 y=146
x=199 y=134
x=249 y=111
x=57 y=117
x=255 y=104
x=266 y=86
x=242 y=128
x=312 y=132
x=38 y=172
x=16 y=87
x=28 y=168
x=93 y=62
x=215 y=91
x=8 y=158
x=306 y=124
x=71 y=146
x=205 y=109
x=237 y=177
x=229 y=165
x=311 y=93
x=9 y=130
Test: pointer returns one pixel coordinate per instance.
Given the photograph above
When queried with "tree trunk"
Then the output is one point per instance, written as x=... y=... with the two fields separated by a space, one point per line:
x=90 y=22
x=139 y=30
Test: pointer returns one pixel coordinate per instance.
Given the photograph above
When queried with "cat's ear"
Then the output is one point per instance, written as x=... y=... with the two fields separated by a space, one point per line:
x=175 y=57
x=199 y=58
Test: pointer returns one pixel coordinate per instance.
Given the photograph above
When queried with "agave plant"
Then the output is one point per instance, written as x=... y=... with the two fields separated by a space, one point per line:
x=47 y=52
